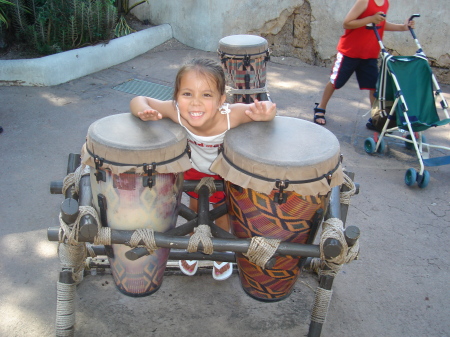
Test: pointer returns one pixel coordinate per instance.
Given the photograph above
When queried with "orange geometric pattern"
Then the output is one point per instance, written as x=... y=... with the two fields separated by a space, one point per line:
x=257 y=214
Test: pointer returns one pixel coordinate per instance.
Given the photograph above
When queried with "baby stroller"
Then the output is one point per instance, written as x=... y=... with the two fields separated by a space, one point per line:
x=407 y=86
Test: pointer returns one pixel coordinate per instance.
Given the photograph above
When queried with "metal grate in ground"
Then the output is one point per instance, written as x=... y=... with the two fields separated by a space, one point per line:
x=144 y=88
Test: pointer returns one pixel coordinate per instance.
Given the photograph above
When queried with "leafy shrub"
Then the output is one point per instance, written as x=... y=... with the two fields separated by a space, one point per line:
x=54 y=26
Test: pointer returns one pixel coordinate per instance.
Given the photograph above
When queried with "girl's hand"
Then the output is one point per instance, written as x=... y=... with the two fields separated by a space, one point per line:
x=409 y=24
x=378 y=18
x=149 y=115
x=261 y=111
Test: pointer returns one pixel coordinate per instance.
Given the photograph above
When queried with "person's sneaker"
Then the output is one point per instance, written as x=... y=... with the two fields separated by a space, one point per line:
x=188 y=267
x=370 y=126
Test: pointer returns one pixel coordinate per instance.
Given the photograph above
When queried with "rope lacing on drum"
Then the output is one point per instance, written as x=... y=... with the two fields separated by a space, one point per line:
x=65 y=309
x=346 y=195
x=72 y=253
x=202 y=233
x=321 y=303
x=207 y=181
x=147 y=236
x=73 y=179
x=261 y=250
x=333 y=228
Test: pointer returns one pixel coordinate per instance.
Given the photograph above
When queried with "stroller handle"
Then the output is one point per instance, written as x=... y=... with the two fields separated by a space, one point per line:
x=411 y=29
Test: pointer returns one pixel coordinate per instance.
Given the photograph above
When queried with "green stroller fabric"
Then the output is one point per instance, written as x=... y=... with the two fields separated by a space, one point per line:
x=414 y=77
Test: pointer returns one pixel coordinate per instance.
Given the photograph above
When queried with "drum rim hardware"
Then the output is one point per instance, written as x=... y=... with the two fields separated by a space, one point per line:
x=149 y=169
x=286 y=182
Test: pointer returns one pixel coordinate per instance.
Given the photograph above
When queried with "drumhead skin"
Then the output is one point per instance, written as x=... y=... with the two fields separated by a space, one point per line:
x=285 y=148
x=243 y=45
x=125 y=139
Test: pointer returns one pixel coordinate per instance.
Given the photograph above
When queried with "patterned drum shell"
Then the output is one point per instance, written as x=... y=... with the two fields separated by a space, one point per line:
x=244 y=59
x=124 y=143
x=255 y=155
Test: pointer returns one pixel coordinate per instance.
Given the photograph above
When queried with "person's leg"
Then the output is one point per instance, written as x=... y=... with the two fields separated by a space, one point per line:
x=343 y=68
x=367 y=76
x=222 y=270
x=189 y=267
x=372 y=96
x=327 y=93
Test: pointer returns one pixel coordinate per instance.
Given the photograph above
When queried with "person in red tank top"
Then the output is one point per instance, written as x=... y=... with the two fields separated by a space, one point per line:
x=358 y=51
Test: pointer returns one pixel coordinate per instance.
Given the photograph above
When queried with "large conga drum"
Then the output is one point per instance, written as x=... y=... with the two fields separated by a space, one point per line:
x=278 y=177
x=136 y=172
x=244 y=59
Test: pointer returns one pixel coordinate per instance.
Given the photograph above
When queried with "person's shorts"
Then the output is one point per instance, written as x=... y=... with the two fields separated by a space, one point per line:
x=193 y=174
x=366 y=71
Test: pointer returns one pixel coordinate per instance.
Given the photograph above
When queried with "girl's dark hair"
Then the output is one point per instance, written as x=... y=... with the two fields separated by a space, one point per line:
x=207 y=67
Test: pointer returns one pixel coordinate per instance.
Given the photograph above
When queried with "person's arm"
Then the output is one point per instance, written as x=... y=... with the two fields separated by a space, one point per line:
x=258 y=111
x=351 y=20
x=394 y=27
x=148 y=109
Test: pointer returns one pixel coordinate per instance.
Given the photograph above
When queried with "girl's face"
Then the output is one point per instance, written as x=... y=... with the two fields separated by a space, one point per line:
x=198 y=98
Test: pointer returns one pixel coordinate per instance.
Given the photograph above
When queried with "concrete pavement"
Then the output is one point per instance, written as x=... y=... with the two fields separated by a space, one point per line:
x=398 y=287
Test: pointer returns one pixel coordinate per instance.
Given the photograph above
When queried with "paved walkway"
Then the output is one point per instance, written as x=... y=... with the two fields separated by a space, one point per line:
x=398 y=287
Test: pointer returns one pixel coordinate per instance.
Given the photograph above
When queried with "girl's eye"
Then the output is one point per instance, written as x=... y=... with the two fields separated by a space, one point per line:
x=186 y=94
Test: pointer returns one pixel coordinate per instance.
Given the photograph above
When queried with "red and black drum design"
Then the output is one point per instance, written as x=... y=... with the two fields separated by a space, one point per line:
x=136 y=171
x=278 y=183
x=244 y=59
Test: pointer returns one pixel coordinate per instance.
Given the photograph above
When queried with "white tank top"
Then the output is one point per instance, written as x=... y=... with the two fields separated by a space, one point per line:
x=204 y=150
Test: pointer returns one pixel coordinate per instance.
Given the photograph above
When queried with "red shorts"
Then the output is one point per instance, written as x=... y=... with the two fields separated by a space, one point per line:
x=193 y=174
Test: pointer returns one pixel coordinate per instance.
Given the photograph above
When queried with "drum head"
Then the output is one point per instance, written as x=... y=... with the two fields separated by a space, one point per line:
x=257 y=153
x=125 y=143
x=242 y=45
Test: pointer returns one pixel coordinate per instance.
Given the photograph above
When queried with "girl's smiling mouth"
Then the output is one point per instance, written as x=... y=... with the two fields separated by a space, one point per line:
x=196 y=113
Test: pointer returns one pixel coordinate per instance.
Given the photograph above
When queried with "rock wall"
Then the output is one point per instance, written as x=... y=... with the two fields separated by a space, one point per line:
x=308 y=29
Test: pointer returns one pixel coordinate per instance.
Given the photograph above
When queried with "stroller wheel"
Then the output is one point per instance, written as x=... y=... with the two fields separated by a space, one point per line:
x=381 y=146
x=370 y=145
x=425 y=179
x=410 y=176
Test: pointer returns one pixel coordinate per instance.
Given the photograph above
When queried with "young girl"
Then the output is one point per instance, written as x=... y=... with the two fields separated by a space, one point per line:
x=199 y=106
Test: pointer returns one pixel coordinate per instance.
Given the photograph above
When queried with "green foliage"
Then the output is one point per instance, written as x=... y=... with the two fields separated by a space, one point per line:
x=4 y=9
x=125 y=5
x=59 y=25
x=122 y=28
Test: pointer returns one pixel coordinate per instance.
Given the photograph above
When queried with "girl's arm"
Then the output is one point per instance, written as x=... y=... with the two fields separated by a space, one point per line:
x=258 y=111
x=394 y=27
x=150 y=109
x=351 y=21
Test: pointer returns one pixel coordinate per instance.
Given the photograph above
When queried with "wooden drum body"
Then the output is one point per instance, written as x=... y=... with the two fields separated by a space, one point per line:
x=244 y=59
x=137 y=180
x=278 y=175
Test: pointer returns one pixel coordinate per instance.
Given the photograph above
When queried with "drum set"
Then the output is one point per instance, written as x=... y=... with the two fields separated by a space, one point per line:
x=123 y=199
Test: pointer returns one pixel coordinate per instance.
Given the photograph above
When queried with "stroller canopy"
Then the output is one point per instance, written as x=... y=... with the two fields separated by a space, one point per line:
x=411 y=77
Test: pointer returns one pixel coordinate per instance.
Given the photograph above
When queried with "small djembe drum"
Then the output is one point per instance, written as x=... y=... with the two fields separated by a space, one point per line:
x=278 y=177
x=136 y=172
x=244 y=59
